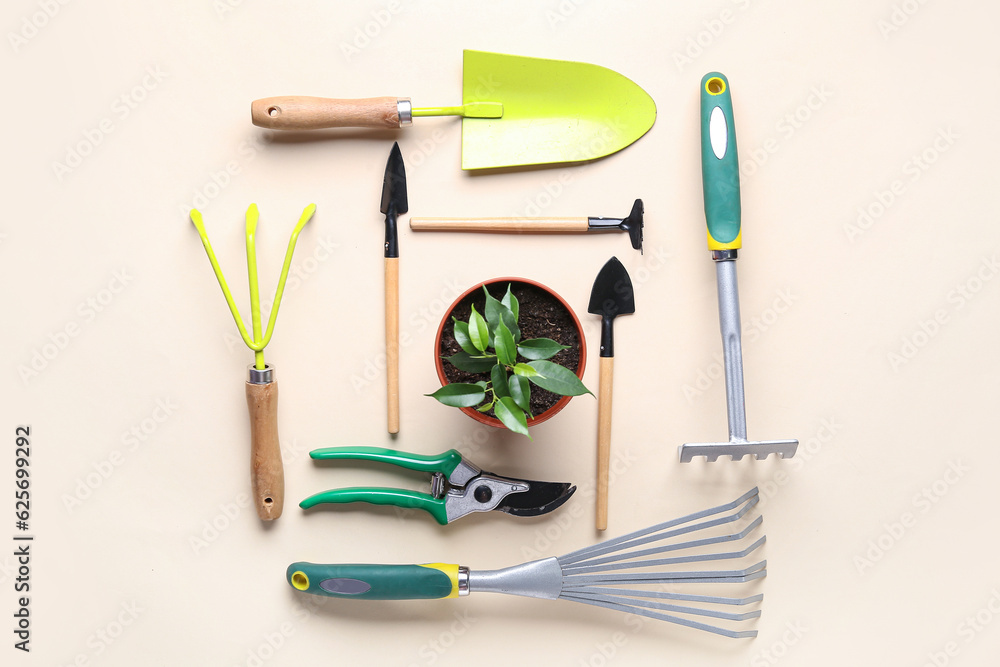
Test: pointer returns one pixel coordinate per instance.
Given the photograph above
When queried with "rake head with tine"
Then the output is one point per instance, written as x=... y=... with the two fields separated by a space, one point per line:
x=610 y=574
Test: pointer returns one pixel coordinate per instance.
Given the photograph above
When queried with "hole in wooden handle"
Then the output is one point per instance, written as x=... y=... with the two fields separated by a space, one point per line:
x=273 y=111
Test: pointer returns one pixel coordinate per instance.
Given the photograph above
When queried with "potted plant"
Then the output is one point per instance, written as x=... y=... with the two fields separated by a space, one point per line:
x=510 y=353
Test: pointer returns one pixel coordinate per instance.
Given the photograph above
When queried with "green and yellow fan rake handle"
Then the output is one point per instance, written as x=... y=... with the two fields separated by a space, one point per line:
x=266 y=471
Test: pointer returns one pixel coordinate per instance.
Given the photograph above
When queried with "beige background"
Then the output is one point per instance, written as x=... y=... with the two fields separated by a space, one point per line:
x=880 y=547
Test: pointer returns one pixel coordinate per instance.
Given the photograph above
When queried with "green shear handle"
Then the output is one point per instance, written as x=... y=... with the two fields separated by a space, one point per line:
x=381 y=496
x=443 y=463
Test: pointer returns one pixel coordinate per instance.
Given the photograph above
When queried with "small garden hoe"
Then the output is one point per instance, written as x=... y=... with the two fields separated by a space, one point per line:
x=266 y=471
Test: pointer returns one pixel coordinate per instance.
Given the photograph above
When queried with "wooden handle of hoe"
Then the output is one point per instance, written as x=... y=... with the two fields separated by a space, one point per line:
x=501 y=225
x=392 y=340
x=604 y=439
x=297 y=112
x=267 y=475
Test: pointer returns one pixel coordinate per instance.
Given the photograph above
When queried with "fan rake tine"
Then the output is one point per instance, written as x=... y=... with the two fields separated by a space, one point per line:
x=718 y=576
x=628 y=609
x=661 y=606
x=656 y=533
x=663 y=595
x=633 y=560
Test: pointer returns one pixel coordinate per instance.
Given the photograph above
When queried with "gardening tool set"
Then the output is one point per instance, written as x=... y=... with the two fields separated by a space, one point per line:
x=523 y=111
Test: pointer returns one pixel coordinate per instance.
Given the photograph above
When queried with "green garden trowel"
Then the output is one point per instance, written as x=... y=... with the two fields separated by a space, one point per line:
x=515 y=111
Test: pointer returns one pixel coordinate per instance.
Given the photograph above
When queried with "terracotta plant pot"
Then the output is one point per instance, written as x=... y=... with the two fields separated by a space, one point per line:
x=582 y=345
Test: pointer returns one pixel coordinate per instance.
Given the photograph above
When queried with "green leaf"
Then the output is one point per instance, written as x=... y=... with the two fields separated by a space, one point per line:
x=524 y=370
x=462 y=337
x=510 y=301
x=499 y=377
x=486 y=407
x=491 y=309
x=459 y=395
x=520 y=391
x=472 y=363
x=557 y=379
x=505 y=346
x=539 y=348
x=511 y=415
x=497 y=312
x=479 y=333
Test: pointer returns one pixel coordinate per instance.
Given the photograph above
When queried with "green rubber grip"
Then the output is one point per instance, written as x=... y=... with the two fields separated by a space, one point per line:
x=720 y=165
x=375 y=582
x=380 y=496
x=444 y=463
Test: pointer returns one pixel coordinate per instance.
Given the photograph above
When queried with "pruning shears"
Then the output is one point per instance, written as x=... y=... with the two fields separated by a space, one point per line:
x=458 y=487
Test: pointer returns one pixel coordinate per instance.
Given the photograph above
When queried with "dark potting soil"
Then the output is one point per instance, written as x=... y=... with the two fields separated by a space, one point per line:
x=540 y=315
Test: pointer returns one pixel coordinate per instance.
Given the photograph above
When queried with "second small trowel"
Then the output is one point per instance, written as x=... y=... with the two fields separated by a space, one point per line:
x=611 y=296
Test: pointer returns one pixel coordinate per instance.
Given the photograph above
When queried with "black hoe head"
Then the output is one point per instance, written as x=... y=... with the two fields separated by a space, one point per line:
x=633 y=225
x=394 y=184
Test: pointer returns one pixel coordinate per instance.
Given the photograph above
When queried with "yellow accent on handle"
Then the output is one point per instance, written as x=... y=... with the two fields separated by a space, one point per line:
x=501 y=225
x=448 y=569
x=299 y=112
x=392 y=341
x=715 y=86
x=300 y=580
x=735 y=244
x=267 y=474
x=604 y=403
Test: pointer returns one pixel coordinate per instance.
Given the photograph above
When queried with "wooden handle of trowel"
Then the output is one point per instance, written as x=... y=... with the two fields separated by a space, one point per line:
x=267 y=475
x=604 y=439
x=502 y=225
x=392 y=340
x=298 y=112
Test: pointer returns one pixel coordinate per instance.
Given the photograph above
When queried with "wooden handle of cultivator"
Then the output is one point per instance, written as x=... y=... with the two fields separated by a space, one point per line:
x=501 y=225
x=267 y=475
x=297 y=112
x=392 y=340
x=604 y=439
